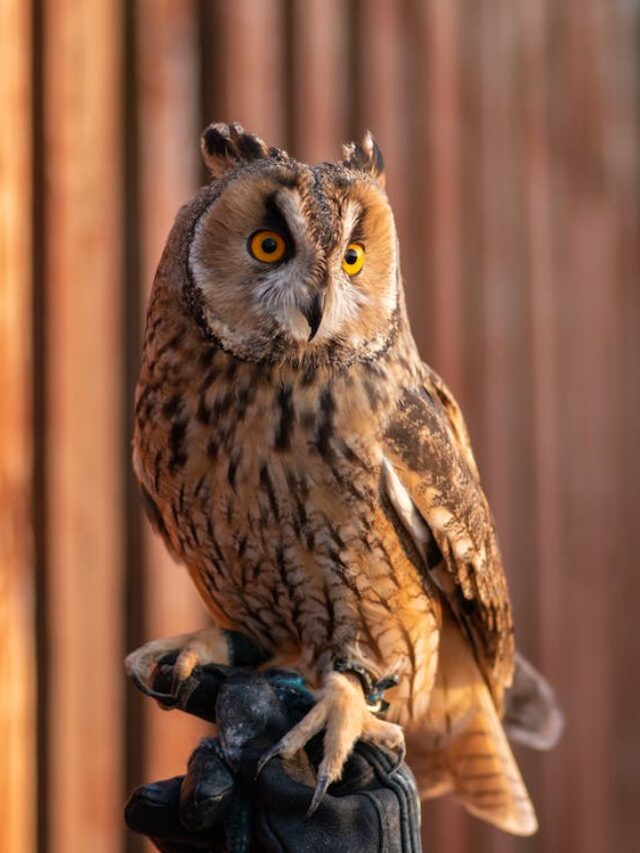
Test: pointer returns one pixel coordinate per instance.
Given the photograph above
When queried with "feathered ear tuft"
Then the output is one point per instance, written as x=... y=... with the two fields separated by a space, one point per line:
x=365 y=157
x=224 y=146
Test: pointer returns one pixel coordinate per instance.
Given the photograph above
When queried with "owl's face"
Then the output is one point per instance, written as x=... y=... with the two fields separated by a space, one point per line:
x=290 y=261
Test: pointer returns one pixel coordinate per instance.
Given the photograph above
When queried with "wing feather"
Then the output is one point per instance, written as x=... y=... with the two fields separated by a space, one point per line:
x=427 y=446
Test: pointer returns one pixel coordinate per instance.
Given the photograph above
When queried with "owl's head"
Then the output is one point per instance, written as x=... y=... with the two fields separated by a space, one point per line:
x=289 y=261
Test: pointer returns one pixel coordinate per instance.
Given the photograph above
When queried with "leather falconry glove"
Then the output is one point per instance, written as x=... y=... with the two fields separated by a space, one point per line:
x=220 y=804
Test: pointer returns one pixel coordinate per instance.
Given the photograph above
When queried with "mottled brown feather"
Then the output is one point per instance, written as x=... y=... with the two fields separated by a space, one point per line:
x=262 y=454
x=427 y=442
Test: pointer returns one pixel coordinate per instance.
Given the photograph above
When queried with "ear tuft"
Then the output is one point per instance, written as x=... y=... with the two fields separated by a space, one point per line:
x=224 y=146
x=365 y=156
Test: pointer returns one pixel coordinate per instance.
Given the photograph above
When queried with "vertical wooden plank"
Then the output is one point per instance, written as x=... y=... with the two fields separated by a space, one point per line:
x=319 y=84
x=438 y=69
x=625 y=651
x=442 y=73
x=169 y=168
x=249 y=66
x=504 y=287
x=17 y=659
x=499 y=281
x=417 y=119
x=545 y=353
x=504 y=453
x=472 y=249
x=387 y=107
x=82 y=269
x=588 y=374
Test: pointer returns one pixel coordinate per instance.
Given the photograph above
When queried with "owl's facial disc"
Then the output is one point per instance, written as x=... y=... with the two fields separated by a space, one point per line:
x=289 y=260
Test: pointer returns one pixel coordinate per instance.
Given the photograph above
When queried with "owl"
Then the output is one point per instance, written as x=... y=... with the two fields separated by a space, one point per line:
x=316 y=478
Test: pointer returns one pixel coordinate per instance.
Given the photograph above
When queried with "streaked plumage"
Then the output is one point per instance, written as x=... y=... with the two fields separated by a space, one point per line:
x=323 y=493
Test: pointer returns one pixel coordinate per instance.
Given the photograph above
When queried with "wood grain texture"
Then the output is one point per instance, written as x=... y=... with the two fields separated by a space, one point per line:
x=439 y=31
x=17 y=658
x=588 y=363
x=169 y=128
x=544 y=280
x=511 y=133
x=320 y=94
x=82 y=271
x=624 y=676
x=384 y=93
x=250 y=67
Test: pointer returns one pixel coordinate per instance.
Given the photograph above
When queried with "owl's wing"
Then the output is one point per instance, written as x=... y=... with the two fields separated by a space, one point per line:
x=432 y=482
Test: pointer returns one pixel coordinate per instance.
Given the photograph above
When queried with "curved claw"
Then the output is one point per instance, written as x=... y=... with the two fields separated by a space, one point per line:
x=169 y=700
x=187 y=651
x=318 y=795
x=178 y=695
x=342 y=711
x=140 y=666
x=401 y=754
x=176 y=683
x=266 y=757
x=184 y=688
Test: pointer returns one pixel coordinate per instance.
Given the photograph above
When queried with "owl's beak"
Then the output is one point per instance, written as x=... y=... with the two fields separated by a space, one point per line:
x=313 y=314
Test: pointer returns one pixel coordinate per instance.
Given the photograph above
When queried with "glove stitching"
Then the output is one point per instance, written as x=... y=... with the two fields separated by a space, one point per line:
x=402 y=786
x=382 y=819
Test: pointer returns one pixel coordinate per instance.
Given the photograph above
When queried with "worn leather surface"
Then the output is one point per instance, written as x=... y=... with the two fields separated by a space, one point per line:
x=220 y=805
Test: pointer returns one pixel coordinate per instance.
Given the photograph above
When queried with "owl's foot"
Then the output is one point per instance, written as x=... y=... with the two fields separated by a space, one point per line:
x=344 y=713
x=202 y=647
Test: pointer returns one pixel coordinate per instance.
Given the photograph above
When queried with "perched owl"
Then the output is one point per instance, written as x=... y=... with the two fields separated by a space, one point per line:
x=316 y=477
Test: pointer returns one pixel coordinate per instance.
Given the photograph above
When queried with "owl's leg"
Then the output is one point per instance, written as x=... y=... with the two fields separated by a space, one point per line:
x=207 y=646
x=210 y=645
x=343 y=712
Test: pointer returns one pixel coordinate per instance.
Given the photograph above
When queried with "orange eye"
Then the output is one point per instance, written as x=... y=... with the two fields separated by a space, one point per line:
x=267 y=246
x=353 y=258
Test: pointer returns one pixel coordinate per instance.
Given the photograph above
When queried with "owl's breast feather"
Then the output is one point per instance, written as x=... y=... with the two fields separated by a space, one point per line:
x=268 y=488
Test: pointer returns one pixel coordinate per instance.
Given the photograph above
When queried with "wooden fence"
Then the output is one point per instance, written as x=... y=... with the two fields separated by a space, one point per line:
x=511 y=131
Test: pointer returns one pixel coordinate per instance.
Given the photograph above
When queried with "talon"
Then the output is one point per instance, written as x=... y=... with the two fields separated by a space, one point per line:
x=401 y=751
x=166 y=700
x=142 y=685
x=318 y=795
x=266 y=757
x=140 y=669
x=202 y=647
x=343 y=712
x=178 y=683
x=185 y=691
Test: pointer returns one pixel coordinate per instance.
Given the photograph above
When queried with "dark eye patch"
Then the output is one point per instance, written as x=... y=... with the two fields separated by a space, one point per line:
x=357 y=235
x=274 y=220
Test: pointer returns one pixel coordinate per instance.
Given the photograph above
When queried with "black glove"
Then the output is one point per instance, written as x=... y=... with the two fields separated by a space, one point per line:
x=219 y=805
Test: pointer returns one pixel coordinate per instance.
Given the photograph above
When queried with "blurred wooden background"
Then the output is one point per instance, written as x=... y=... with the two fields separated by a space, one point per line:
x=511 y=130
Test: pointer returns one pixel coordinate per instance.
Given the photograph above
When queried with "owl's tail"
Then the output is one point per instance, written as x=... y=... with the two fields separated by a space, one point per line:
x=460 y=745
x=478 y=767
x=484 y=775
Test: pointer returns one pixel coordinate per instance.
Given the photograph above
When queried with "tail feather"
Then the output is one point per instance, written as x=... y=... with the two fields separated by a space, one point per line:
x=484 y=775
x=460 y=746
x=531 y=713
